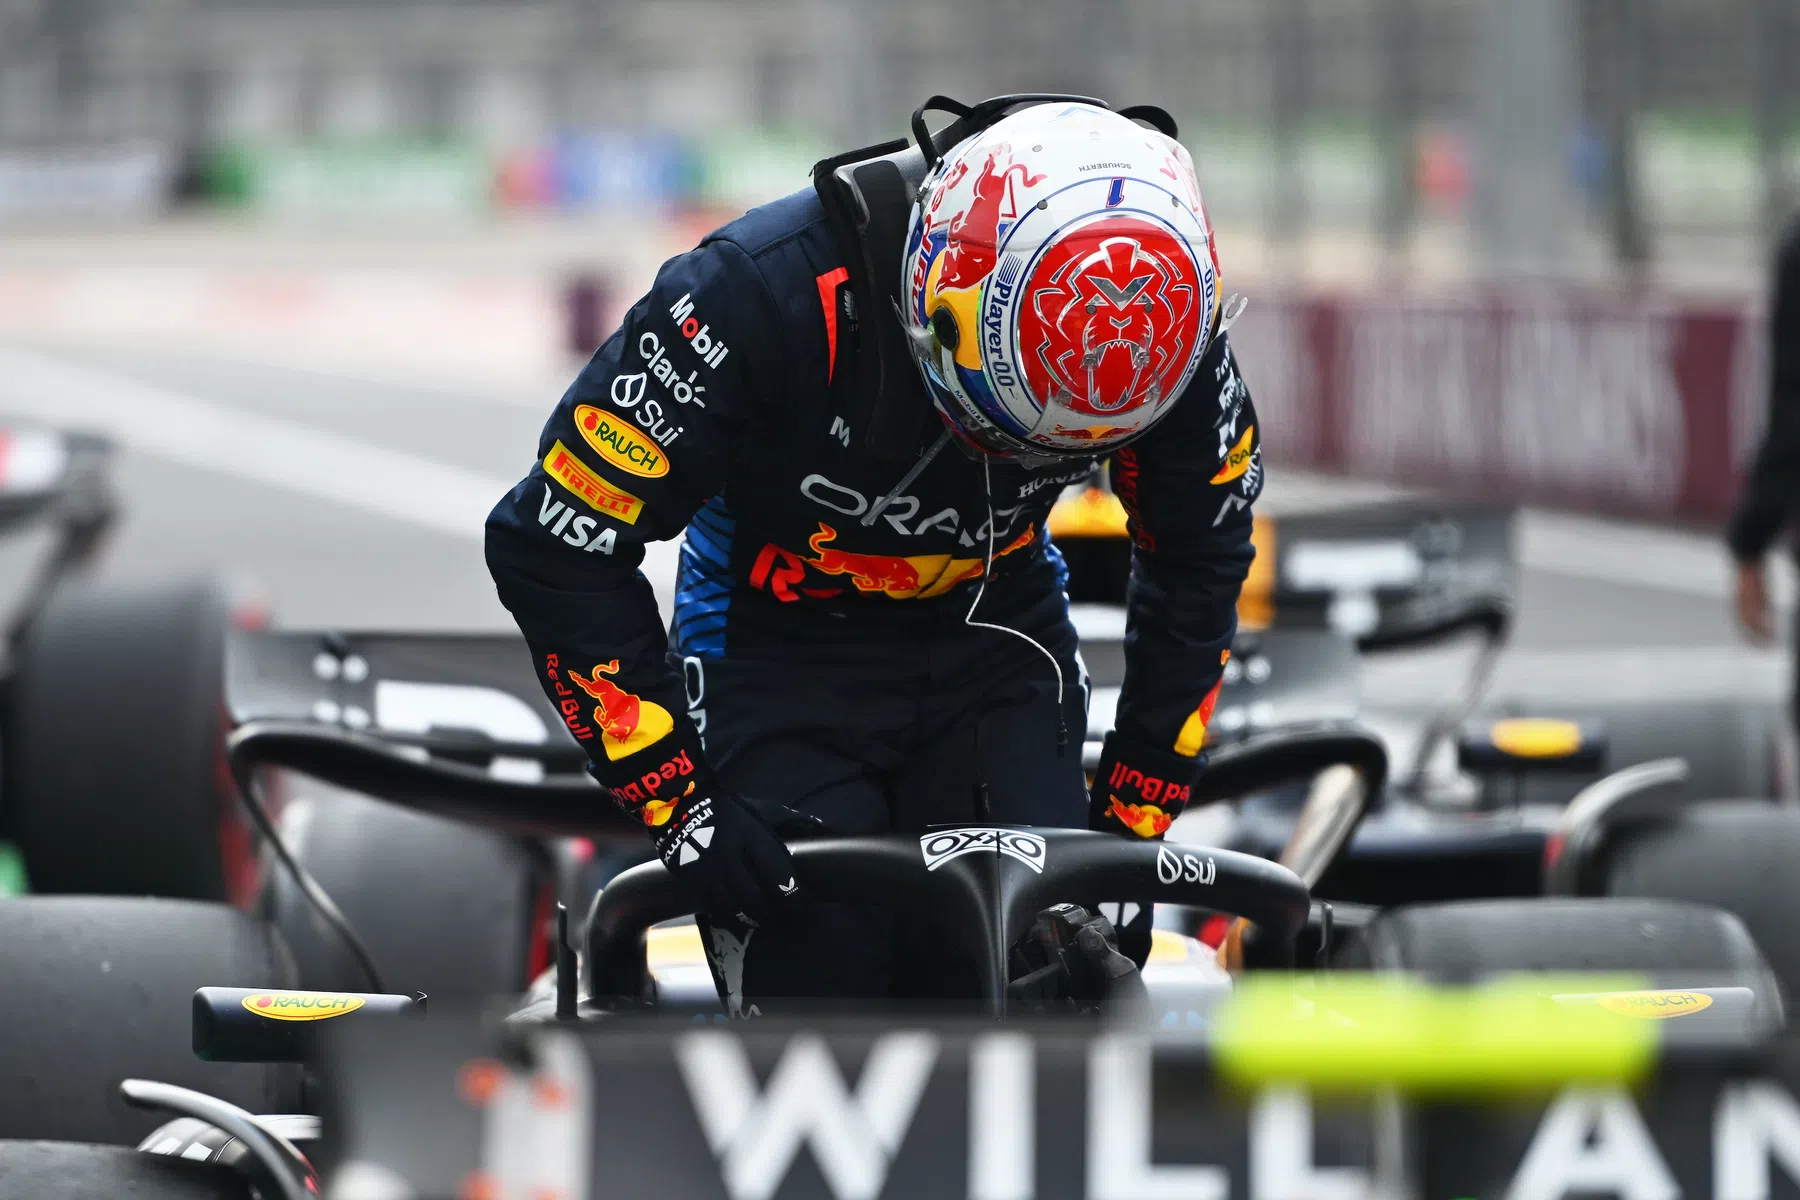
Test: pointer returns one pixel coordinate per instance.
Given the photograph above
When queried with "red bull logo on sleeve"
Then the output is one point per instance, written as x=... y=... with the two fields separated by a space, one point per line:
x=642 y=792
x=627 y=723
x=566 y=703
x=1145 y=820
x=1192 y=735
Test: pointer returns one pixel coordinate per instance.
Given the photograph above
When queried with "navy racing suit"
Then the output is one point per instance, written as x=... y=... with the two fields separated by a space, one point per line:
x=815 y=660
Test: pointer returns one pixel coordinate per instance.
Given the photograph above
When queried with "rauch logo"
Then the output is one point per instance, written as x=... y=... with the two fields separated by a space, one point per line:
x=301 y=1006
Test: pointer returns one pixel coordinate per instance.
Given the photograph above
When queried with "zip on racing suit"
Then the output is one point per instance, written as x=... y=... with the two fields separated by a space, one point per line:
x=823 y=663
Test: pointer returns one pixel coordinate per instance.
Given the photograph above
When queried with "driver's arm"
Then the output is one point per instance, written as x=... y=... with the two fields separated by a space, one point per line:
x=1187 y=487
x=640 y=440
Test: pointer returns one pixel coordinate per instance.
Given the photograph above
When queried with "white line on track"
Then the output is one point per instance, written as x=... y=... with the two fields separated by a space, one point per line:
x=260 y=449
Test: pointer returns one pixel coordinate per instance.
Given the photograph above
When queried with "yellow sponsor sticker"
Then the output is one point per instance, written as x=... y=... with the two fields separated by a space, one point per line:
x=1535 y=737
x=1654 y=1006
x=301 y=1006
x=1238 y=461
x=580 y=478
x=620 y=444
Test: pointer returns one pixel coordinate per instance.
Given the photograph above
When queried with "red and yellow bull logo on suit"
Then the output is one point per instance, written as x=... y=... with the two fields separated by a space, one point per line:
x=1193 y=730
x=918 y=577
x=627 y=724
x=1145 y=820
x=1151 y=803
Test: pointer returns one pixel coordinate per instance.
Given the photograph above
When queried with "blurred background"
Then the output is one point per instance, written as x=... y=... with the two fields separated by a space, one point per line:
x=1515 y=249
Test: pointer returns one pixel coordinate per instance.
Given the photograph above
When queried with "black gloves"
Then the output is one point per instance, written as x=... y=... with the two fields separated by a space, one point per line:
x=730 y=859
x=1137 y=790
x=734 y=865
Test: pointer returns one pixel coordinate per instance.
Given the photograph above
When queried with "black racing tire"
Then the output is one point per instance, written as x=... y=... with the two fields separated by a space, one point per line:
x=1471 y=938
x=97 y=989
x=36 y=1170
x=1732 y=747
x=114 y=775
x=451 y=910
x=1739 y=856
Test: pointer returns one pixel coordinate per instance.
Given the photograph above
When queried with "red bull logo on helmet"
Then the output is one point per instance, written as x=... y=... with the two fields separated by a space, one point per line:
x=972 y=245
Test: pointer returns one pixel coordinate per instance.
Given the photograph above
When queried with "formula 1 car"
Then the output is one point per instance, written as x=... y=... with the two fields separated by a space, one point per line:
x=453 y=733
x=1481 y=781
x=151 y=658
x=422 y=1107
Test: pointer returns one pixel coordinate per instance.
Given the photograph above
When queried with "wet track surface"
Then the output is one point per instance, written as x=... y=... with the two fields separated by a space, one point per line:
x=357 y=503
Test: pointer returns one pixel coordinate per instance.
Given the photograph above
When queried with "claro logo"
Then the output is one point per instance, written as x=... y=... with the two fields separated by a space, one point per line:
x=301 y=1006
x=620 y=444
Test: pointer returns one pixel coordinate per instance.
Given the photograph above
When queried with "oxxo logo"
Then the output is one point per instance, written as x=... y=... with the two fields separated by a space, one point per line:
x=301 y=1006
x=1173 y=868
x=711 y=350
x=946 y=844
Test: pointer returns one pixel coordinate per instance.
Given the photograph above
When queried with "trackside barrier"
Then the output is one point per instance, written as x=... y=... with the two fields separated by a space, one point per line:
x=1632 y=404
x=927 y=1107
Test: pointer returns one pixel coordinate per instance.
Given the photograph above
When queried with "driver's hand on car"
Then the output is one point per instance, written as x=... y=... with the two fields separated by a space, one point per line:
x=734 y=864
x=1138 y=791
x=1753 y=601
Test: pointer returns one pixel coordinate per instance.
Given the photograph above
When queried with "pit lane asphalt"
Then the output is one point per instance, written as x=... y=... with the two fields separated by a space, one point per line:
x=272 y=492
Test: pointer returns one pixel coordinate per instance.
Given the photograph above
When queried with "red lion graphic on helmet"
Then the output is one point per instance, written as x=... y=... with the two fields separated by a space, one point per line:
x=1112 y=313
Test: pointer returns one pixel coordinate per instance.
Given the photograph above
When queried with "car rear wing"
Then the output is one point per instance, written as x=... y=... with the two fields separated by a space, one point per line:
x=1275 y=679
x=470 y=699
x=1390 y=575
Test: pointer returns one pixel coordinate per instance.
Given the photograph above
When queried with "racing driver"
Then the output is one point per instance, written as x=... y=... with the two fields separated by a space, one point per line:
x=880 y=641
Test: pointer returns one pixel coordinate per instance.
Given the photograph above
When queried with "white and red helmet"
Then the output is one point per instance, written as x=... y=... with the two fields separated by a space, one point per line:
x=1060 y=280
